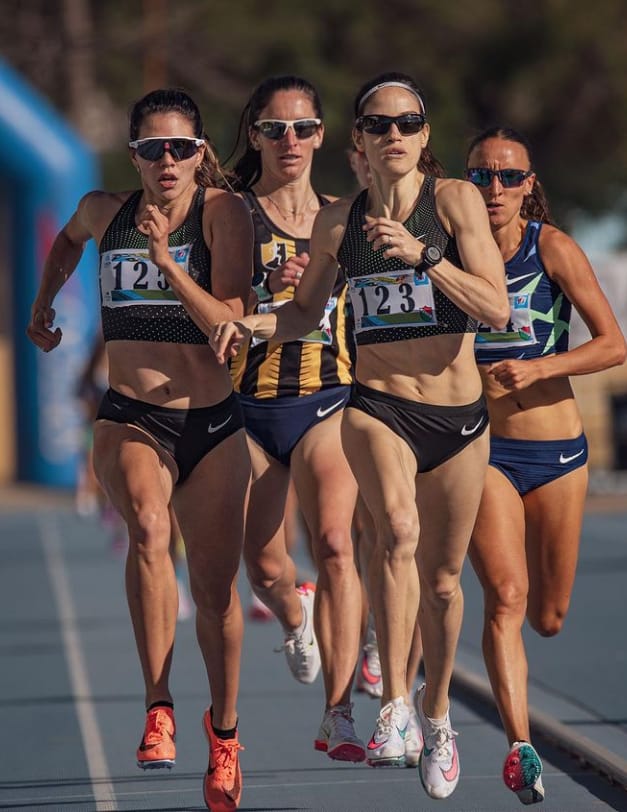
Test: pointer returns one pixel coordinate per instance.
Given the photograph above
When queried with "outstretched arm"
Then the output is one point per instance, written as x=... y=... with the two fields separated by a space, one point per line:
x=59 y=265
x=567 y=265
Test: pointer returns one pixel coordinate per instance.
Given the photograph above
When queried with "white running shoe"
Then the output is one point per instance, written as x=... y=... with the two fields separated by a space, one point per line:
x=413 y=739
x=337 y=737
x=369 y=680
x=439 y=761
x=522 y=773
x=301 y=650
x=386 y=748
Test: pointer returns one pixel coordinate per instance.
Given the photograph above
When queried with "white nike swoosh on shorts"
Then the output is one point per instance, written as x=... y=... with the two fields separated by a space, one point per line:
x=211 y=429
x=472 y=429
x=324 y=412
x=564 y=459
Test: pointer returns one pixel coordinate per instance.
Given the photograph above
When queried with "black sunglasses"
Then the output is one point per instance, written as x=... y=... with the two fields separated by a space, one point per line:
x=408 y=123
x=180 y=147
x=276 y=128
x=509 y=178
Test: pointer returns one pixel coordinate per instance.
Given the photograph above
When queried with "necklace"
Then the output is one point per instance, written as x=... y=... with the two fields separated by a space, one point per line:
x=293 y=213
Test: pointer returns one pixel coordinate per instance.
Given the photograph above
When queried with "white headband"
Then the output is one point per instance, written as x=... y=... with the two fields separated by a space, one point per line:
x=405 y=86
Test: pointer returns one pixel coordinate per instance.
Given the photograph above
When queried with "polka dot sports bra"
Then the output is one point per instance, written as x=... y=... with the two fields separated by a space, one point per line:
x=136 y=302
x=390 y=300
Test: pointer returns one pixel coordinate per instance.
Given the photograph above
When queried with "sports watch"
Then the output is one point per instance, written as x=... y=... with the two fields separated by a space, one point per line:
x=431 y=256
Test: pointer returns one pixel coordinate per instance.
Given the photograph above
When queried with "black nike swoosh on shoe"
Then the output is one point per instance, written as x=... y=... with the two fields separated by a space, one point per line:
x=143 y=747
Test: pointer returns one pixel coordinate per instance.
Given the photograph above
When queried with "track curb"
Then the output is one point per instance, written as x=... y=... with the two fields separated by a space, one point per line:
x=598 y=757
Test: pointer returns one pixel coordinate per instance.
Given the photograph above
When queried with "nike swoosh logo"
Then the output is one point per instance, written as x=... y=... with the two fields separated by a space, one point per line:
x=466 y=431
x=211 y=429
x=518 y=278
x=145 y=747
x=422 y=236
x=370 y=678
x=324 y=412
x=564 y=459
x=451 y=773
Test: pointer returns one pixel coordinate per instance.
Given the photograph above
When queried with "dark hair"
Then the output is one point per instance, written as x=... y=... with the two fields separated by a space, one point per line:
x=174 y=100
x=535 y=206
x=428 y=163
x=247 y=169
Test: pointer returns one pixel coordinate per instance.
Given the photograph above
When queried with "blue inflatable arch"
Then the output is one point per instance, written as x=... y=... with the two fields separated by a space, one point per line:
x=46 y=170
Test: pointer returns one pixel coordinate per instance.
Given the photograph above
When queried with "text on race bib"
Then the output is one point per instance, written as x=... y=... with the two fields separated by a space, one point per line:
x=128 y=277
x=397 y=299
x=519 y=331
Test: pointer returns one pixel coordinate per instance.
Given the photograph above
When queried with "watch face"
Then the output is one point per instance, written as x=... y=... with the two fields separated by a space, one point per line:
x=432 y=254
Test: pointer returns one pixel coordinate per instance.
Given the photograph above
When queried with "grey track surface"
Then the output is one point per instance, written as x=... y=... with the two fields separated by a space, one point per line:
x=71 y=702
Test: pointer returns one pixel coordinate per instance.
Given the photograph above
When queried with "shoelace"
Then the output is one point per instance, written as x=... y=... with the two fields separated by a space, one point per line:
x=385 y=721
x=342 y=720
x=161 y=724
x=225 y=758
x=294 y=643
x=439 y=743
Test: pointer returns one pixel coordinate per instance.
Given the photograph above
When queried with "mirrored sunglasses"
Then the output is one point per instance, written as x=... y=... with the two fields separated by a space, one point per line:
x=509 y=178
x=180 y=147
x=276 y=128
x=408 y=123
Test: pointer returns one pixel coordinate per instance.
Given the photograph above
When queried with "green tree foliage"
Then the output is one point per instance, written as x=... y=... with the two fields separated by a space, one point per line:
x=555 y=69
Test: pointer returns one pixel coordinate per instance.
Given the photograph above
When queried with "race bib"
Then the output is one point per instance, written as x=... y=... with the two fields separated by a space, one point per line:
x=397 y=299
x=519 y=331
x=128 y=277
x=322 y=335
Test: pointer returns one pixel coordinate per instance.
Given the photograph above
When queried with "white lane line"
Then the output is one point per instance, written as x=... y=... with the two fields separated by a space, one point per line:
x=160 y=794
x=100 y=779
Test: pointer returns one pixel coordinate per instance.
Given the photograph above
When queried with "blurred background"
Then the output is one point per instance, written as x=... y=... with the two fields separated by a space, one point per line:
x=70 y=69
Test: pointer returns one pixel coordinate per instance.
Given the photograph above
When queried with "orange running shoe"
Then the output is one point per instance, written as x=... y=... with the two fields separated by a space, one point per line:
x=157 y=748
x=222 y=787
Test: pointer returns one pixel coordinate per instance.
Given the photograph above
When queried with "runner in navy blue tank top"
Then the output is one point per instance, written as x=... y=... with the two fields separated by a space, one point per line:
x=422 y=268
x=525 y=543
x=175 y=257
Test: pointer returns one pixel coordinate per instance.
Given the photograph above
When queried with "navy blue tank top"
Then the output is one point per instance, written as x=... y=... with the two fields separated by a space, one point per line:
x=539 y=322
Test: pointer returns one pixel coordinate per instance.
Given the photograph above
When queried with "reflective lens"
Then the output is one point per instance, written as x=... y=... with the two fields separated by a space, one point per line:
x=276 y=128
x=509 y=178
x=408 y=123
x=179 y=147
